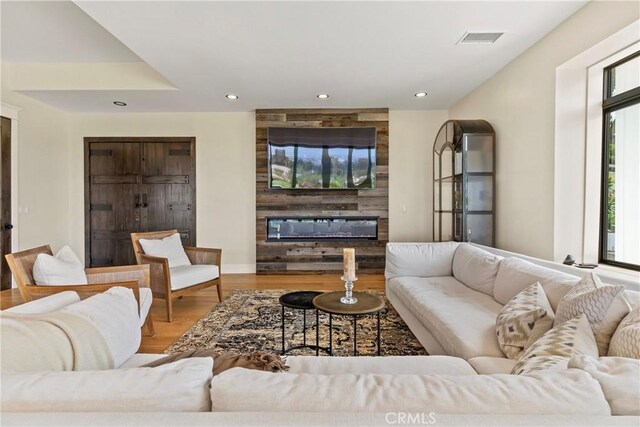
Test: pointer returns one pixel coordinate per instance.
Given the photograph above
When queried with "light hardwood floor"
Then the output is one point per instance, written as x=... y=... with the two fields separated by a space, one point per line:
x=192 y=307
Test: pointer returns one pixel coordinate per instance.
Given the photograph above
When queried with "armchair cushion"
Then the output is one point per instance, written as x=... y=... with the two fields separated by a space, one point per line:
x=62 y=269
x=190 y=275
x=169 y=247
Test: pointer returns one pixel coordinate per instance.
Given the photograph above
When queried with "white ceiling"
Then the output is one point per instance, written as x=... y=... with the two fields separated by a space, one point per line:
x=56 y=31
x=279 y=54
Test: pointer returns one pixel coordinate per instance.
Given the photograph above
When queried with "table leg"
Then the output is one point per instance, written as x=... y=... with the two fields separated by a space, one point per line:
x=379 y=348
x=355 y=336
x=317 y=333
x=330 y=334
x=304 y=327
x=282 y=330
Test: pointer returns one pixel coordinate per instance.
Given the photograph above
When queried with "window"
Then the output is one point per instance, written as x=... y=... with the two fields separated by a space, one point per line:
x=620 y=211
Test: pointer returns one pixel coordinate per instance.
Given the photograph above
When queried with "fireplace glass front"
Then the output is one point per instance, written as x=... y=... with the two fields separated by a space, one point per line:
x=322 y=228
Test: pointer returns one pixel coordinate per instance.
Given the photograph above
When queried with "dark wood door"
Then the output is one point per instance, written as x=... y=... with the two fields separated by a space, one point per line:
x=114 y=202
x=5 y=201
x=168 y=190
x=136 y=184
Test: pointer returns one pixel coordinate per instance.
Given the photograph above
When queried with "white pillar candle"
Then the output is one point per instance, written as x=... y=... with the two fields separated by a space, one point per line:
x=349 y=256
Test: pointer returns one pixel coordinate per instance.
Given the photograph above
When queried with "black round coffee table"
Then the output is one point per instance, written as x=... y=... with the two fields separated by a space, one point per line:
x=301 y=300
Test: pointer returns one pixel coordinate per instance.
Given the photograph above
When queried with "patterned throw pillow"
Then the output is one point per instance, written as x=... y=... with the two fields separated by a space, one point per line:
x=523 y=320
x=626 y=339
x=554 y=349
x=604 y=305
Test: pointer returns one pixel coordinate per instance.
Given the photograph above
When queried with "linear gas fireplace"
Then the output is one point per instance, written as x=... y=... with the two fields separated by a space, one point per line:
x=322 y=228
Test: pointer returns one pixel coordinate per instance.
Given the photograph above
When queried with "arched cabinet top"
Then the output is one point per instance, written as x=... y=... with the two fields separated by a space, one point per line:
x=450 y=133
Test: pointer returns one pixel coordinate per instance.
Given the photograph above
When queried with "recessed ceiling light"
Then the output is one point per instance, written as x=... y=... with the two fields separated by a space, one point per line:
x=120 y=103
x=232 y=96
x=323 y=95
x=420 y=94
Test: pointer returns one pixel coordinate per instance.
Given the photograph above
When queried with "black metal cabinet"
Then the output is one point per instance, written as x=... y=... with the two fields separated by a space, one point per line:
x=464 y=182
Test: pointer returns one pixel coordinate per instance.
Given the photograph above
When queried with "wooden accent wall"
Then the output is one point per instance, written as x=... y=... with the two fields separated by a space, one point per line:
x=321 y=257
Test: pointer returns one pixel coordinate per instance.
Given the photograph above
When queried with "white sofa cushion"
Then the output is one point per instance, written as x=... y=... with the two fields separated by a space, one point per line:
x=554 y=349
x=47 y=304
x=626 y=339
x=419 y=259
x=523 y=320
x=619 y=378
x=516 y=274
x=115 y=314
x=63 y=268
x=462 y=320
x=178 y=386
x=189 y=275
x=170 y=247
x=475 y=268
x=570 y=392
x=604 y=306
x=492 y=365
x=398 y=365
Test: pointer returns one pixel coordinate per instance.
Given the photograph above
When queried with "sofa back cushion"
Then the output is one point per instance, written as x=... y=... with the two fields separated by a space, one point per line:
x=419 y=259
x=515 y=274
x=475 y=267
x=115 y=314
x=567 y=393
x=45 y=305
x=179 y=386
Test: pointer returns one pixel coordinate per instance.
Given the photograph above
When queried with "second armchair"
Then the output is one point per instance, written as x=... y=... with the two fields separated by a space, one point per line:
x=172 y=274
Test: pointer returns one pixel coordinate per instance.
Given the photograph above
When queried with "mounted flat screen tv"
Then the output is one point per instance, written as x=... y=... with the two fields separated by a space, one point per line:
x=322 y=158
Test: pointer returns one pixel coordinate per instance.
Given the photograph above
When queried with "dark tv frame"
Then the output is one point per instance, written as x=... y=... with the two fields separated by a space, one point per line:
x=375 y=147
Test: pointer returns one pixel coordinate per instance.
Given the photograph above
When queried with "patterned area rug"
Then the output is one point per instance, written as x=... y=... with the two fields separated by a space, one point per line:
x=251 y=320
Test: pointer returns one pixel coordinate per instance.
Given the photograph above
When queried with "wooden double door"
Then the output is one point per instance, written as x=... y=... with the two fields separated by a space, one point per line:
x=132 y=185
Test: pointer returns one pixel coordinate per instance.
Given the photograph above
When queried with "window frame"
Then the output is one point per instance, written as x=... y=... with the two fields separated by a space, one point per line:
x=611 y=104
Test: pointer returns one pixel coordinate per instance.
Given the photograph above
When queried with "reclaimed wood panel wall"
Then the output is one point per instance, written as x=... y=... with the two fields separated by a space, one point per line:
x=321 y=257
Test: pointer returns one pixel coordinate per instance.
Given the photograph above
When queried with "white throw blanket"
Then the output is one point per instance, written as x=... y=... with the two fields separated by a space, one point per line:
x=57 y=341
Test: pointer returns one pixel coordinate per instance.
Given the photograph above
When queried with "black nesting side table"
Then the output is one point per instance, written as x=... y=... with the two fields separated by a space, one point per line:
x=301 y=300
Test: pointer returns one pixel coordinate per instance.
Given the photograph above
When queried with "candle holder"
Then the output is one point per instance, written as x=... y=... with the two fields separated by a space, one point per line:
x=348 y=298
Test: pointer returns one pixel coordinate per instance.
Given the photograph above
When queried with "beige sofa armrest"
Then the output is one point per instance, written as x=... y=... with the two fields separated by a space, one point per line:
x=84 y=290
x=208 y=256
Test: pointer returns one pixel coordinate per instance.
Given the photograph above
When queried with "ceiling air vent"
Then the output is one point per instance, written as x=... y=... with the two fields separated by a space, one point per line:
x=479 y=38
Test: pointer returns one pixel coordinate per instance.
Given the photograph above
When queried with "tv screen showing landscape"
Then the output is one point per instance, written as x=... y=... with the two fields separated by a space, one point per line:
x=322 y=158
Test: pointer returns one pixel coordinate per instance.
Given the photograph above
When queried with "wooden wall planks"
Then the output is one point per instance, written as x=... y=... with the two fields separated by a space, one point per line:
x=321 y=257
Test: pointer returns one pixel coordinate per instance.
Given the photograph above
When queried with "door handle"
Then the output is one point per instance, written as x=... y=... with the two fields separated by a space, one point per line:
x=145 y=203
x=136 y=200
x=8 y=226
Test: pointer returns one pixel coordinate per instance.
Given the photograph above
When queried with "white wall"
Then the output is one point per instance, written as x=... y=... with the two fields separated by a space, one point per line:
x=43 y=195
x=411 y=136
x=225 y=174
x=51 y=174
x=519 y=101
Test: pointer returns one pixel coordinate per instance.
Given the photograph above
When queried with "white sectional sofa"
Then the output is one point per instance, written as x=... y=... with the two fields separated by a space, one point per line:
x=322 y=391
x=450 y=294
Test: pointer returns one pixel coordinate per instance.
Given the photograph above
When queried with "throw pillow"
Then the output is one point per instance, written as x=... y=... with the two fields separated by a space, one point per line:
x=625 y=341
x=170 y=247
x=63 y=268
x=604 y=305
x=619 y=378
x=553 y=350
x=523 y=320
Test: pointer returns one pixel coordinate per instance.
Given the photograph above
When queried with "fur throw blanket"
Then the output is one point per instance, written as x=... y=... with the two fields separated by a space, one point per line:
x=223 y=360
